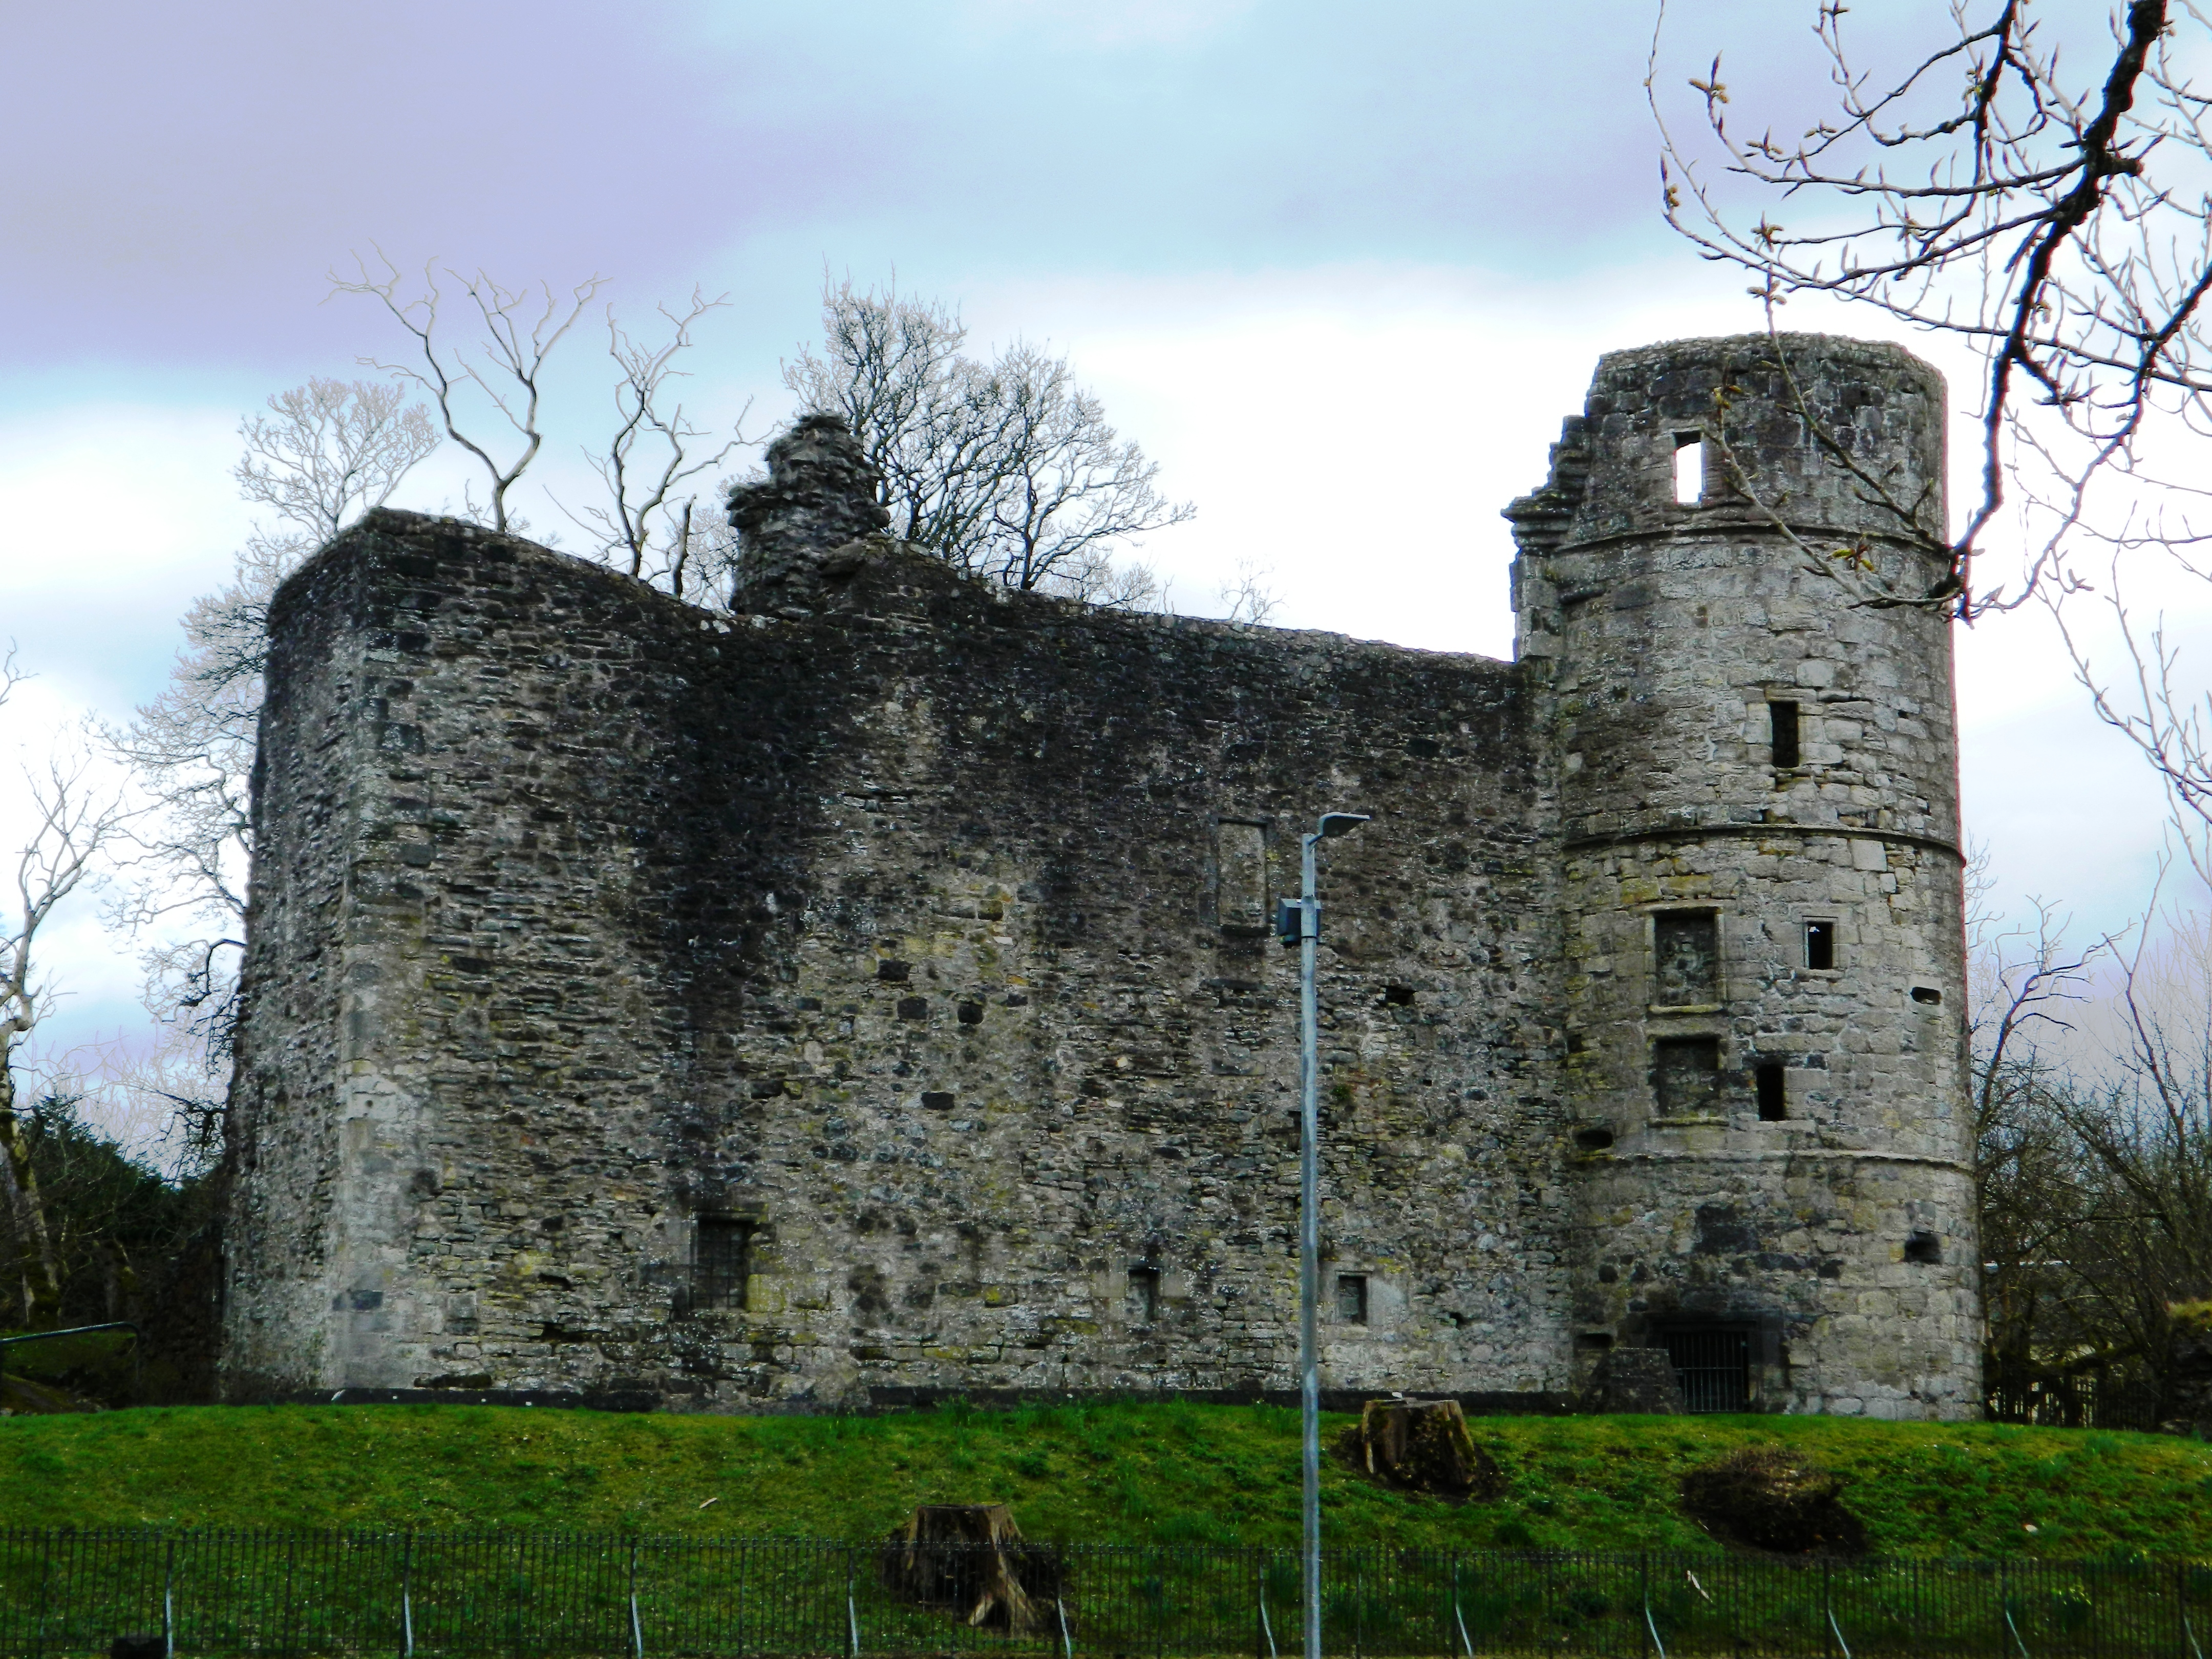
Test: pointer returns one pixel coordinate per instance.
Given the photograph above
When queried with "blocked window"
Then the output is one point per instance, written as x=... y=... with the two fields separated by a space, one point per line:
x=1686 y=1075
x=1773 y=1092
x=1820 y=945
x=725 y=1261
x=1240 y=861
x=1351 y=1298
x=1686 y=946
x=1144 y=1294
x=1782 y=733
x=1689 y=469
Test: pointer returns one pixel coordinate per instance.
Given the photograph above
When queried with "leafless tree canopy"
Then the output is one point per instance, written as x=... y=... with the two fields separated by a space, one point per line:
x=324 y=452
x=1007 y=469
x=2093 y=1161
x=74 y=825
x=2046 y=199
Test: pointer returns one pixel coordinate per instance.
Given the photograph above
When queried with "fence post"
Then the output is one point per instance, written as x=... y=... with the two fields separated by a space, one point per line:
x=636 y=1629
x=1651 y=1631
x=407 y=1599
x=169 y=1601
x=851 y=1610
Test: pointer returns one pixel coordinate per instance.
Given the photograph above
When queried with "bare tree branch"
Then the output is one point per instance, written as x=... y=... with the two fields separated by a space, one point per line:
x=506 y=366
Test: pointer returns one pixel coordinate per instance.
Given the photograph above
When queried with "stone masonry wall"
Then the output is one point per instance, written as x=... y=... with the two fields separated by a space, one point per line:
x=918 y=936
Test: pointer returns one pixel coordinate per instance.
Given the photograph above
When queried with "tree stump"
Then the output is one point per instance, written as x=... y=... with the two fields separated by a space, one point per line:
x=971 y=1559
x=1421 y=1445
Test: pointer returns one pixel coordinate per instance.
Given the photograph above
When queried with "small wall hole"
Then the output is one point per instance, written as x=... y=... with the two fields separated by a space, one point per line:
x=1593 y=1342
x=1689 y=469
x=1773 y=1093
x=1595 y=1139
x=1400 y=996
x=1922 y=1246
x=1928 y=994
x=1820 y=945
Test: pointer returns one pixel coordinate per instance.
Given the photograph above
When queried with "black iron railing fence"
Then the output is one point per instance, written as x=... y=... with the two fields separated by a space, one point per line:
x=530 y=1596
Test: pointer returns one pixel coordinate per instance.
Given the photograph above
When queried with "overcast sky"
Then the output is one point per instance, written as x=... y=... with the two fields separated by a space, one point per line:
x=1341 y=270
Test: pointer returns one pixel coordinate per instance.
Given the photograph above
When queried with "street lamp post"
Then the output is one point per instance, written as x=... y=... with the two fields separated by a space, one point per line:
x=1299 y=923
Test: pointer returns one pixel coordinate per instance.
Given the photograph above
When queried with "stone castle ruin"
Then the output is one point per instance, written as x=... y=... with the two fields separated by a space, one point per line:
x=869 y=996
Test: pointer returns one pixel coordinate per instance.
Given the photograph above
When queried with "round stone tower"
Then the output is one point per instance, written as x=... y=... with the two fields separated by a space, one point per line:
x=1757 y=772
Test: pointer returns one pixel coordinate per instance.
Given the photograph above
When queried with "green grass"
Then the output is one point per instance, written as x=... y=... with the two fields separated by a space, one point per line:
x=1163 y=1474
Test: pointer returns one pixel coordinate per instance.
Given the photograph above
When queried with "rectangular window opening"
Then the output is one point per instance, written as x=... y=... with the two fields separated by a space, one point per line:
x=1689 y=469
x=1712 y=1364
x=1773 y=1093
x=1685 y=1074
x=1240 y=857
x=725 y=1261
x=1783 y=719
x=1144 y=1294
x=1351 y=1298
x=1686 y=945
x=1820 y=945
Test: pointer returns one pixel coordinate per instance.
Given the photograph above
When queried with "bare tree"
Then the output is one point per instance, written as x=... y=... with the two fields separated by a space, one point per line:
x=1006 y=469
x=651 y=525
x=329 y=450
x=325 y=452
x=2040 y=199
x=1247 y=595
x=73 y=826
x=507 y=365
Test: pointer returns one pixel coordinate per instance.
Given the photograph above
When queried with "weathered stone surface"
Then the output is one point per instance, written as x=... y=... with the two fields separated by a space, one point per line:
x=1635 y=1381
x=819 y=497
x=871 y=994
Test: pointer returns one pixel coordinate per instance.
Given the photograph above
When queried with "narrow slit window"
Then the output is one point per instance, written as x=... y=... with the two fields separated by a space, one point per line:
x=1351 y=1298
x=725 y=1261
x=1783 y=717
x=1144 y=1294
x=1773 y=1092
x=1689 y=469
x=1820 y=945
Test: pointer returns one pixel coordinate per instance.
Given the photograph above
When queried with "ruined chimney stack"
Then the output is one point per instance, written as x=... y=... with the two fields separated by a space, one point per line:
x=819 y=496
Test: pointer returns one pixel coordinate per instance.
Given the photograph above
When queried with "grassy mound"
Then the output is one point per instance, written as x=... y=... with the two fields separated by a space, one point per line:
x=1101 y=1474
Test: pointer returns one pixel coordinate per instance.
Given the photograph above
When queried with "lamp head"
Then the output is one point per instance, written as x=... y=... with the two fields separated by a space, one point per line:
x=1342 y=823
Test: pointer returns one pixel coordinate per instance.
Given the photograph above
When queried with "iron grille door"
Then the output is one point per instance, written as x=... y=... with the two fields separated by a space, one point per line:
x=1712 y=1364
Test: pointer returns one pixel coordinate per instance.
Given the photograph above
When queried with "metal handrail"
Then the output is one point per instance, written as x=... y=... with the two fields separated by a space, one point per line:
x=137 y=1343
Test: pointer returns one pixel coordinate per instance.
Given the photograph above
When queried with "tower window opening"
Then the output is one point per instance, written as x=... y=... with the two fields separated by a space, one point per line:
x=1712 y=1364
x=1927 y=994
x=1782 y=717
x=1686 y=1070
x=1773 y=1095
x=1686 y=946
x=1144 y=1294
x=1820 y=945
x=725 y=1261
x=1351 y=1298
x=1923 y=1247
x=1689 y=469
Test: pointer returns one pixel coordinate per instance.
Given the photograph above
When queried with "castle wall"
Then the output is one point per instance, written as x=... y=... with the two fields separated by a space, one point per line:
x=905 y=948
